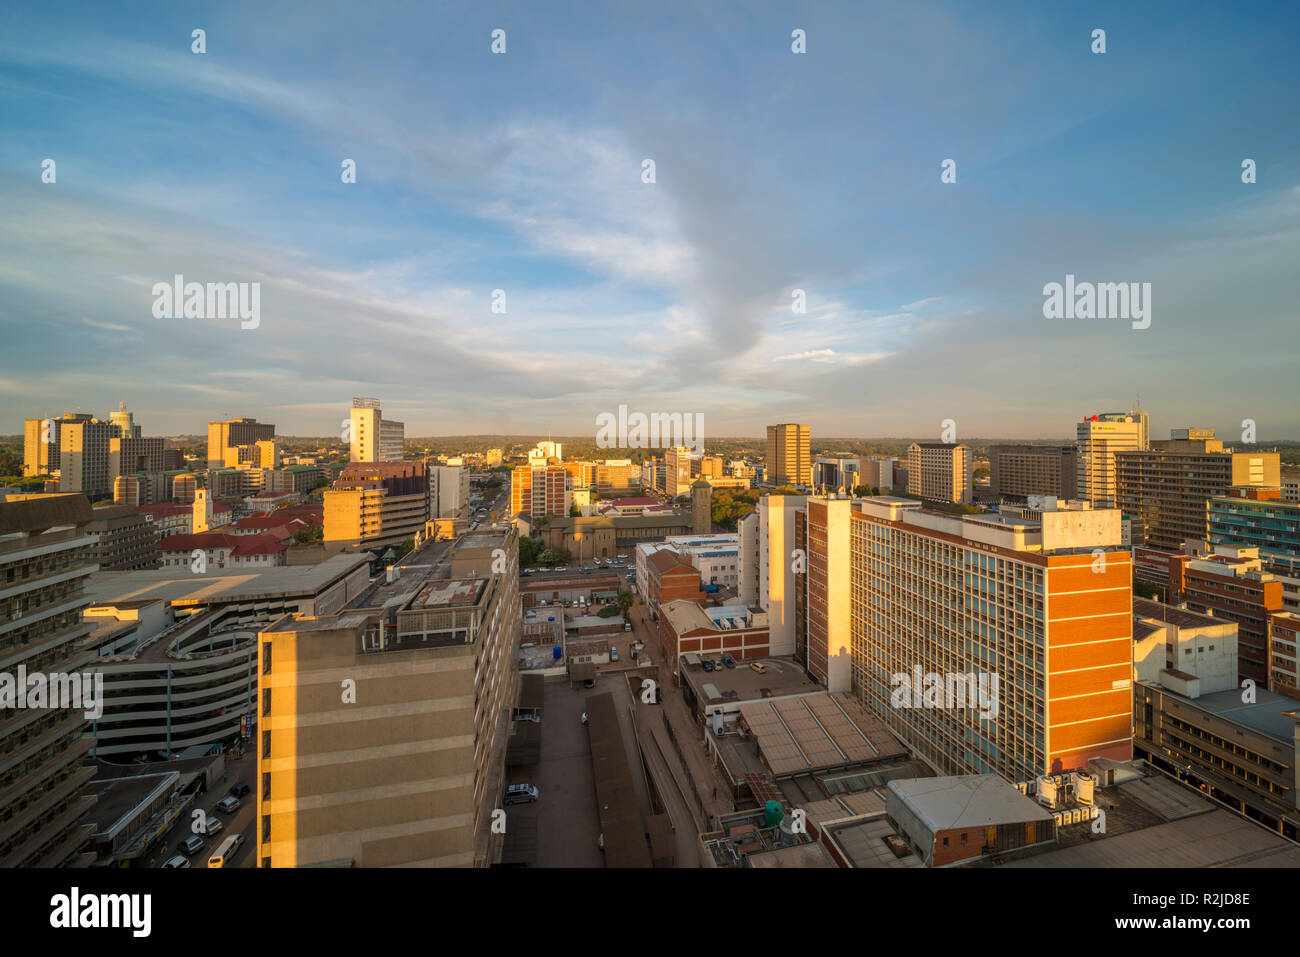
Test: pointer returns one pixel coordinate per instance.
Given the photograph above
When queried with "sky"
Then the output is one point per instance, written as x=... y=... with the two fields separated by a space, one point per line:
x=775 y=171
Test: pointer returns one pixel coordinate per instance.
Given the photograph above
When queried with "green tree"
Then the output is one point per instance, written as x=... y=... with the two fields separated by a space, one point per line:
x=555 y=556
x=625 y=600
x=574 y=511
x=528 y=549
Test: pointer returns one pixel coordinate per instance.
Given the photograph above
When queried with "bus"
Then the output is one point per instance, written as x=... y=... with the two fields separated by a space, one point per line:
x=226 y=850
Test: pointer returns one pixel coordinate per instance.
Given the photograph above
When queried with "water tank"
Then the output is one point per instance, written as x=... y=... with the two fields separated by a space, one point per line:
x=392 y=573
x=1087 y=784
x=557 y=652
x=772 y=814
x=1047 y=791
x=788 y=836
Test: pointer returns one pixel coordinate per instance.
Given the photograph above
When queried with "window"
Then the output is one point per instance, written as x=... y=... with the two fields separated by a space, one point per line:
x=266 y=657
x=266 y=744
x=266 y=701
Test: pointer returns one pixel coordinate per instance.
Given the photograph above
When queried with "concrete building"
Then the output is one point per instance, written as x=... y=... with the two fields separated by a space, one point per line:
x=837 y=473
x=449 y=491
x=406 y=769
x=374 y=438
x=232 y=434
x=1018 y=471
x=84 y=444
x=543 y=487
x=127 y=539
x=40 y=447
x=701 y=507
x=1099 y=438
x=687 y=628
x=940 y=472
x=1231 y=583
x=828 y=628
x=1283 y=640
x=677 y=470
x=1164 y=489
x=789 y=459
x=878 y=473
x=777 y=567
x=46 y=558
x=376 y=504
x=994 y=643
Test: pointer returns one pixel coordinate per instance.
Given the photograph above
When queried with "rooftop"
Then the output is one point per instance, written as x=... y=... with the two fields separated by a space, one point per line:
x=818 y=731
x=967 y=800
x=445 y=593
x=181 y=586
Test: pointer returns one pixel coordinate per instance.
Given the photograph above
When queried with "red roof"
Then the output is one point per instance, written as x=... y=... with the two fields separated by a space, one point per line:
x=643 y=500
x=238 y=544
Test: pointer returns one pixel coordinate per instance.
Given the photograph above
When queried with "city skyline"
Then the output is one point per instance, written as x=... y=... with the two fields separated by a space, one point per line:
x=478 y=172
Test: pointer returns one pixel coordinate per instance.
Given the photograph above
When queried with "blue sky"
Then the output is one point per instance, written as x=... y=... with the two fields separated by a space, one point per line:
x=775 y=171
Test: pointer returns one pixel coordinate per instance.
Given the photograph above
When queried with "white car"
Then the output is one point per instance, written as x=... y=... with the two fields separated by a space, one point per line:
x=177 y=861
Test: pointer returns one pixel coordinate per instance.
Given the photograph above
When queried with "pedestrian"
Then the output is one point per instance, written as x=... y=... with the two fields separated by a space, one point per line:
x=715 y=794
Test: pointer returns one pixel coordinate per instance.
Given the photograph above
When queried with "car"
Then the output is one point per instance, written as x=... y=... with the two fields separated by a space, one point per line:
x=589 y=683
x=613 y=654
x=177 y=861
x=708 y=664
x=240 y=789
x=627 y=626
x=729 y=661
x=214 y=825
x=757 y=667
x=534 y=718
x=228 y=804
x=520 y=794
x=191 y=845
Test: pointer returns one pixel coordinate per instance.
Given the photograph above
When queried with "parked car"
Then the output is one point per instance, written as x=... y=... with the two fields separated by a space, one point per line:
x=240 y=789
x=177 y=861
x=708 y=664
x=613 y=654
x=521 y=794
x=758 y=667
x=530 y=716
x=589 y=683
x=729 y=661
x=191 y=845
x=228 y=804
x=627 y=626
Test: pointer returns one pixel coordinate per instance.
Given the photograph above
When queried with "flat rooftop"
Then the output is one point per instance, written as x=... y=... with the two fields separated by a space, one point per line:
x=180 y=586
x=1268 y=715
x=863 y=844
x=783 y=677
x=966 y=800
x=1146 y=608
x=119 y=797
x=482 y=539
x=447 y=593
x=349 y=620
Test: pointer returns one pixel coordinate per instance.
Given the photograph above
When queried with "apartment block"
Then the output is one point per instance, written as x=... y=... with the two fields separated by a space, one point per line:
x=406 y=767
x=789 y=460
x=1034 y=612
x=84 y=444
x=449 y=491
x=46 y=559
x=778 y=567
x=1099 y=438
x=1164 y=489
x=1018 y=471
x=541 y=489
x=1283 y=638
x=127 y=539
x=940 y=472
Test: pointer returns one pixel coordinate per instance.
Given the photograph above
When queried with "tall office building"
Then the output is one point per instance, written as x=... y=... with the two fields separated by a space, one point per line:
x=1100 y=437
x=449 y=491
x=789 y=459
x=84 y=465
x=133 y=454
x=832 y=473
x=232 y=434
x=1041 y=602
x=1164 y=489
x=1018 y=471
x=125 y=422
x=374 y=438
x=940 y=472
x=776 y=575
x=46 y=558
x=1257 y=518
x=677 y=470
x=40 y=447
x=408 y=771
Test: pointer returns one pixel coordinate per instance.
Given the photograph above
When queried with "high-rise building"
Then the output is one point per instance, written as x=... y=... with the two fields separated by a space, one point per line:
x=46 y=558
x=1100 y=437
x=677 y=470
x=828 y=626
x=233 y=433
x=127 y=540
x=777 y=569
x=125 y=422
x=408 y=771
x=833 y=473
x=374 y=438
x=940 y=472
x=701 y=507
x=1164 y=489
x=1018 y=471
x=84 y=464
x=449 y=491
x=1029 y=616
x=788 y=455
x=133 y=454
x=40 y=447
x=538 y=490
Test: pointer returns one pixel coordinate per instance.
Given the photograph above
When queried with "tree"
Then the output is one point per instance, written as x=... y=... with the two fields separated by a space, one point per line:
x=861 y=491
x=625 y=600
x=555 y=556
x=574 y=511
x=528 y=549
